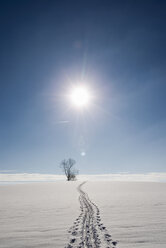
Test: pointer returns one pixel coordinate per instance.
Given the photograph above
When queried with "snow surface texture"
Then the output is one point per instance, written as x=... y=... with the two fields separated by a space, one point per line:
x=48 y=214
x=134 y=213
x=37 y=214
x=88 y=230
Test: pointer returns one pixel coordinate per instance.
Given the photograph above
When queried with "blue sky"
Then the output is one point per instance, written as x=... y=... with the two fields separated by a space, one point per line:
x=118 y=49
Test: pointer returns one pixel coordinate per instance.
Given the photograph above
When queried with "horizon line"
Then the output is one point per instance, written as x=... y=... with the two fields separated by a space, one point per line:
x=48 y=177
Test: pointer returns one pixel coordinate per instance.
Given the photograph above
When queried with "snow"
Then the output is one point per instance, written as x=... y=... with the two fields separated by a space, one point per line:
x=37 y=214
x=134 y=213
x=41 y=214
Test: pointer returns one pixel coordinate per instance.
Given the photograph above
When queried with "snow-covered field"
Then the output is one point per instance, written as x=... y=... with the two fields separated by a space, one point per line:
x=43 y=214
x=134 y=213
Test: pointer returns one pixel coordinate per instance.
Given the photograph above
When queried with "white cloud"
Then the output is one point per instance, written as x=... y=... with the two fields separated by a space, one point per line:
x=31 y=177
x=6 y=171
x=148 y=177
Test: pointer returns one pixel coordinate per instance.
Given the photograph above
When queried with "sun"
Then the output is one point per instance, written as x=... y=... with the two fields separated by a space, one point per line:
x=80 y=96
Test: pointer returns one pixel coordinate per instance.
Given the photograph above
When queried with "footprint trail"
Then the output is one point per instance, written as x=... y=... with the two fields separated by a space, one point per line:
x=88 y=231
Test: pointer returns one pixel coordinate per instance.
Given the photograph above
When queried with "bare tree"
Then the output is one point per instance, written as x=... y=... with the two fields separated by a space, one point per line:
x=67 y=166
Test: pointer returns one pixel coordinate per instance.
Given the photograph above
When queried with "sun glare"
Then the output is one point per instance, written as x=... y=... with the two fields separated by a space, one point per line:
x=80 y=96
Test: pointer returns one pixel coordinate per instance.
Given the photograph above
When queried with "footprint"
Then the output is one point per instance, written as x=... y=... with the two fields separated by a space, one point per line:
x=114 y=243
x=72 y=241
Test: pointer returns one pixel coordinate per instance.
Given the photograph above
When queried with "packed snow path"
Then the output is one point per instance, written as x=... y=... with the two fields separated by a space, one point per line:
x=88 y=231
